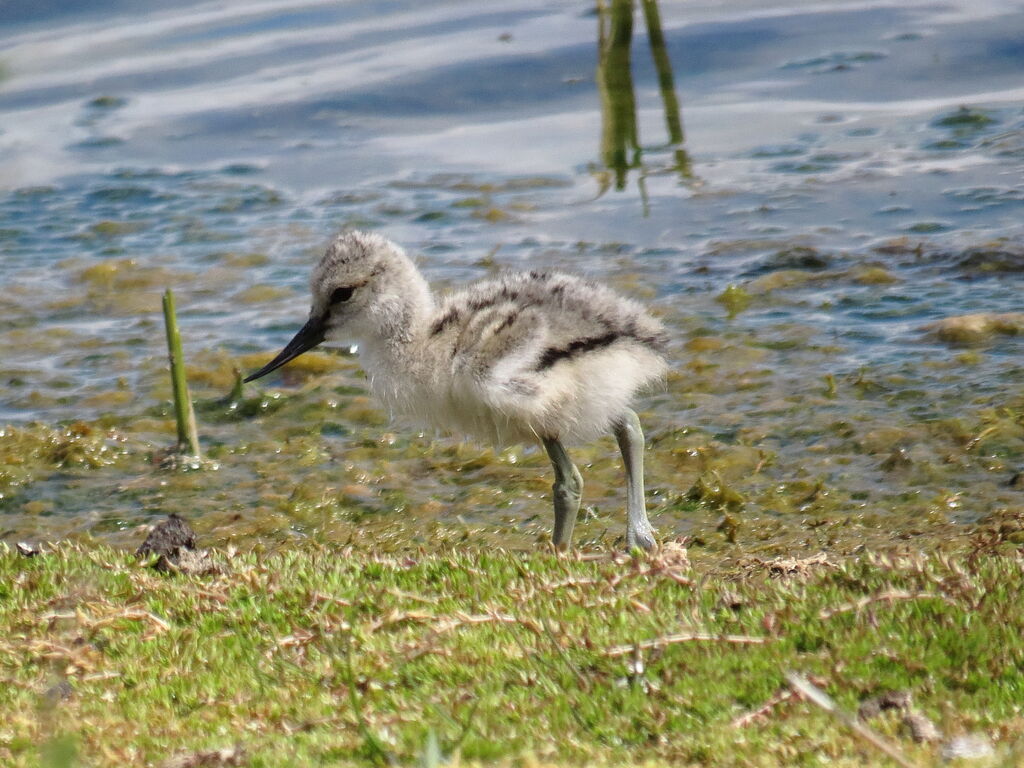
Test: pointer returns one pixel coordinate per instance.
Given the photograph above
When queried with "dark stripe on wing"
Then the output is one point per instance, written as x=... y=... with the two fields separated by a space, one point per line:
x=449 y=317
x=508 y=321
x=552 y=355
x=504 y=294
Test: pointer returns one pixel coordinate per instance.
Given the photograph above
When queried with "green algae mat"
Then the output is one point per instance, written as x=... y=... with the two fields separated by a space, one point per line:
x=346 y=656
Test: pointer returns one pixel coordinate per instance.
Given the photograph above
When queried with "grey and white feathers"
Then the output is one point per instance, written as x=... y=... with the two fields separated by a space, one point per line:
x=525 y=356
x=519 y=357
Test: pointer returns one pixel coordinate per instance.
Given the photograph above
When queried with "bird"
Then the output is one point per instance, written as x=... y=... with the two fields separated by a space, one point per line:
x=540 y=357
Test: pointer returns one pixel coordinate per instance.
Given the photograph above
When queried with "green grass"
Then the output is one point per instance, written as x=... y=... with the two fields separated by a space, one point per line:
x=331 y=656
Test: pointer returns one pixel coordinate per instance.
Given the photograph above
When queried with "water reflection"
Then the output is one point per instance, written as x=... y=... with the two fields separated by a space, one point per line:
x=621 y=151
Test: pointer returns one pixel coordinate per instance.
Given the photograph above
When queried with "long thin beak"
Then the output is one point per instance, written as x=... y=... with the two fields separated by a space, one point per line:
x=312 y=333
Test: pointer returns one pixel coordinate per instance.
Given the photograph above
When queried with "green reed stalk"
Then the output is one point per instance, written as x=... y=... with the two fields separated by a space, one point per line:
x=188 y=437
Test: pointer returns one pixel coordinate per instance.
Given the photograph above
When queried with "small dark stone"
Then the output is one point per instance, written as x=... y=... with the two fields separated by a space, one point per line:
x=168 y=537
x=168 y=540
x=1017 y=481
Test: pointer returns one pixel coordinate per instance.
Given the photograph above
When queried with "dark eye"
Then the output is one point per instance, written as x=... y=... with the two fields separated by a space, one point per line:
x=342 y=294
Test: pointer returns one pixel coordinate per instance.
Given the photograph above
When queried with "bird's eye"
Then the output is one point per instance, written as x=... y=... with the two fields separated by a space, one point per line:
x=342 y=294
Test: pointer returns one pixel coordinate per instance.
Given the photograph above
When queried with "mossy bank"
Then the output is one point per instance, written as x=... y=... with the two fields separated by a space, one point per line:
x=330 y=655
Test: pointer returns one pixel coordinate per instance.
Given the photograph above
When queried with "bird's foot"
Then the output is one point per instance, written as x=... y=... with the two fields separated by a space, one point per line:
x=643 y=540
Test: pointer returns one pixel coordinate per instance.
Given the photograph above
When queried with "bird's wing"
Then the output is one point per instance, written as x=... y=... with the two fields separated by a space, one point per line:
x=522 y=324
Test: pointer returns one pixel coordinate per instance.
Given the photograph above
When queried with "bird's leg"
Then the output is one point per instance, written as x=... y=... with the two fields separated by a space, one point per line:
x=631 y=442
x=566 y=492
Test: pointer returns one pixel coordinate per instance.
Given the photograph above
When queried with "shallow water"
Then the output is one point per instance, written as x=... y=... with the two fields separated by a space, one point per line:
x=799 y=190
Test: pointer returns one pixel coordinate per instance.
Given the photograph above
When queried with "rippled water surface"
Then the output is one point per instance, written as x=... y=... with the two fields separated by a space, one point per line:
x=802 y=191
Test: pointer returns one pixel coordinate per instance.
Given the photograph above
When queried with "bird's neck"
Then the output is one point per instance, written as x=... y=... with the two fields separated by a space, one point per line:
x=391 y=336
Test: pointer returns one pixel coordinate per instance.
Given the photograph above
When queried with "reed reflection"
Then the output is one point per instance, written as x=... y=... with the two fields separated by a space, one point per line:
x=621 y=151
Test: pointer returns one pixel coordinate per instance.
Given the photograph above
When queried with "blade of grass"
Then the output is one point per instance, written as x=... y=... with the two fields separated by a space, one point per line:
x=188 y=437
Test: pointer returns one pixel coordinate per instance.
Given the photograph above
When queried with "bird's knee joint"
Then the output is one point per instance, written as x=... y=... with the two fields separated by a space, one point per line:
x=577 y=479
x=568 y=487
x=574 y=484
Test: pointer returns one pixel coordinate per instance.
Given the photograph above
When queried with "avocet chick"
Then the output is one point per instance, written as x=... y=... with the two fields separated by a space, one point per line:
x=523 y=357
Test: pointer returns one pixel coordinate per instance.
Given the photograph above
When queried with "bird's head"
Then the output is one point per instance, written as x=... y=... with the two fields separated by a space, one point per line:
x=356 y=282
